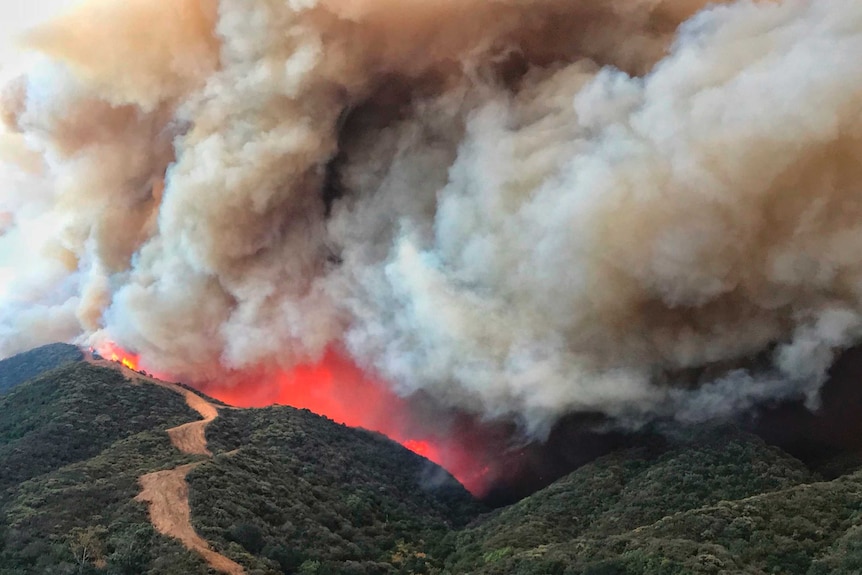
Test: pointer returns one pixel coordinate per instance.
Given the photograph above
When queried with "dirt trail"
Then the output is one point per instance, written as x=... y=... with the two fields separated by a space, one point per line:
x=191 y=437
x=167 y=492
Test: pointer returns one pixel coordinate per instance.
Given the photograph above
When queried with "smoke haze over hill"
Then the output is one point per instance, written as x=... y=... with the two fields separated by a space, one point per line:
x=520 y=209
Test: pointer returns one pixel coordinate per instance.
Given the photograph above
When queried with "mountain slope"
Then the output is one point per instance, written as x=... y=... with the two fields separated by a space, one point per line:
x=45 y=518
x=74 y=412
x=719 y=501
x=74 y=442
x=808 y=529
x=18 y=369
x=79 y=440
x=302 y=490
x=281 y=490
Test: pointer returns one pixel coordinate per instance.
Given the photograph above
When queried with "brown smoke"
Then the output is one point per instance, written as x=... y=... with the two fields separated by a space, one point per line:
x=523 y=208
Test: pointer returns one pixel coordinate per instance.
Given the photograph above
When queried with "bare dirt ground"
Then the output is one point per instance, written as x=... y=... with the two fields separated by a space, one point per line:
x=191 y=437
x=167 y=492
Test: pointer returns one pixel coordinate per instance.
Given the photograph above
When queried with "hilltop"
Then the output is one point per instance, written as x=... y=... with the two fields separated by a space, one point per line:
x=19 y=368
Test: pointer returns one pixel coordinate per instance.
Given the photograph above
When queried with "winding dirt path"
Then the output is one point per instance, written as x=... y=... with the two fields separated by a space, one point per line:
x=191 y=437
x=167 y=492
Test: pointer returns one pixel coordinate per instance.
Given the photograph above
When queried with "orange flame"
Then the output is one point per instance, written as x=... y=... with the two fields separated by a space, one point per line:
x=118 y=355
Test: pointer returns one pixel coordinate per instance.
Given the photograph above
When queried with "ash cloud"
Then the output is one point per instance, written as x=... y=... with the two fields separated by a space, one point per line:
x=523 y=209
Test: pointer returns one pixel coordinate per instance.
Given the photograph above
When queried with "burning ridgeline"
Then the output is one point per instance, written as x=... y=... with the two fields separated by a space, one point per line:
x=520 y=210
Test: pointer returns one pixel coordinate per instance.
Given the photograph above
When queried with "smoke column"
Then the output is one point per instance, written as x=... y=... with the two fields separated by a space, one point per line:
x=520 y=209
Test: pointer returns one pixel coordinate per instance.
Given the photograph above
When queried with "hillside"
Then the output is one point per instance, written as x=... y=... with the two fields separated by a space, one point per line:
x=72 y=414
x=106 y=471
x=18 y=369
x=285 y=490
x=74 y=442
x=806 y=529
x=718 y=501
x=303 y=491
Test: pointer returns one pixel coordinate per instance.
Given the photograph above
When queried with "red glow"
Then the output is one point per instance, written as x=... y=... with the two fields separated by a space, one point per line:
x=423 y=448
x=115 y=353
x=337 y=388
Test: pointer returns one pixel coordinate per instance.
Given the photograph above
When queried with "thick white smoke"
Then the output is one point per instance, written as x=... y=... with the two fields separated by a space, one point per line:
x=522 y=208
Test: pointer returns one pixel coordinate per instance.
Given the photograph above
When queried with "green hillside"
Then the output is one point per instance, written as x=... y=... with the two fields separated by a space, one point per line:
x=73 y=413
x=302 y=494
x=18 y=369
x=290 y=492
x=719 y=501
x=304 y=491
x=73 y=442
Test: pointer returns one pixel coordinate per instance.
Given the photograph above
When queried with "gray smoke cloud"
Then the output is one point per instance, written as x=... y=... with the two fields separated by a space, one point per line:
x=520 y=208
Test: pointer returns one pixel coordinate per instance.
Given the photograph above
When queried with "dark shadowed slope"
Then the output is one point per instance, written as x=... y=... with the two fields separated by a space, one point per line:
x=18 y=369
x=719 y=501
x=828 y=439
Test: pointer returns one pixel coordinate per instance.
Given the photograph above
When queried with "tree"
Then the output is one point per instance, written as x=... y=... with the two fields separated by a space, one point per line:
x=131 y=554
x=248 y=535
x=88 y=547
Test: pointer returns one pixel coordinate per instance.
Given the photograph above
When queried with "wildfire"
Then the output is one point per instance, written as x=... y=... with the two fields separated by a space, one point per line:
x=115 y=353
x=338 y=389
x=126 y=361
x=423 y=448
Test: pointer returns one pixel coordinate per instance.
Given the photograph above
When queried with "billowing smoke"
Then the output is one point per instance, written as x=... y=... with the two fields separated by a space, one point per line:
x=519 y=208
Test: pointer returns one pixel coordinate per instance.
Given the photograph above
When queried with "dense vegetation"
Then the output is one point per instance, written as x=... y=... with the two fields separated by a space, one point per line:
x=74 y=412
x=18 y=369
x=304 y=494
x=73 y=443
x=719 y=501
x=290 y=492
x=75 y=440
x=88 y=507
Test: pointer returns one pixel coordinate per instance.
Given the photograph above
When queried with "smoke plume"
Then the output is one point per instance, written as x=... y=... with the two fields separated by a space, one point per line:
x=519 y=208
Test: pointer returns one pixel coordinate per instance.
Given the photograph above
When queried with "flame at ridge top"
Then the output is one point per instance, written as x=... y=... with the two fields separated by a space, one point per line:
x=112 y=351
x=338 y=389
